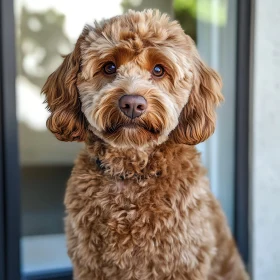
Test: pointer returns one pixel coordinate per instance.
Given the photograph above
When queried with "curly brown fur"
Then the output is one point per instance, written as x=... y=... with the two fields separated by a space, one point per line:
x=138 y=201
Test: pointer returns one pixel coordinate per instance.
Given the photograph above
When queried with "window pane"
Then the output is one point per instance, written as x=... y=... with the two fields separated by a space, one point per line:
x=216 y=40
x=46 y=30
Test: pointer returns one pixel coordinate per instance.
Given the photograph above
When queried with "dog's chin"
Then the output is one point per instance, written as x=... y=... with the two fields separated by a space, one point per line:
x=131 y=135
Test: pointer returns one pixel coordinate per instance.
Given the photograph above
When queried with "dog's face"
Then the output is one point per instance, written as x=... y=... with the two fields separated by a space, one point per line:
x=134 y=80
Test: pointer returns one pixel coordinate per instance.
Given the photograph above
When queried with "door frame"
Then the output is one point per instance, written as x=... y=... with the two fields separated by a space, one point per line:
x=241 y=205
x=9 y=163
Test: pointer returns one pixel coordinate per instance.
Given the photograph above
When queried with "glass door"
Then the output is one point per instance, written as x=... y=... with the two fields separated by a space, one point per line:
x=47 y=29
x=216 y=40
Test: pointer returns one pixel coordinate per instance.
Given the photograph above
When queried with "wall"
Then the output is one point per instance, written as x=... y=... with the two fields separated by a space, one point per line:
x=265 y=143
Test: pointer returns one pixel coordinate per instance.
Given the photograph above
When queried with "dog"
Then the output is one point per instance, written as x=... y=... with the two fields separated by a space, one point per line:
x=138 y=201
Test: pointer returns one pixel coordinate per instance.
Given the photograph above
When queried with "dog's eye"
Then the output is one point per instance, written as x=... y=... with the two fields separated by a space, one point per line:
x=109 y=68
x=158 y=70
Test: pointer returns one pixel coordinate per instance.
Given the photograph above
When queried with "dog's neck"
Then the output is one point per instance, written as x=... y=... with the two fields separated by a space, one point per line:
x=126 y=163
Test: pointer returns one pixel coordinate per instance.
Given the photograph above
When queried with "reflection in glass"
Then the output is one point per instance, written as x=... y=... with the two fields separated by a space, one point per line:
x=45 y=31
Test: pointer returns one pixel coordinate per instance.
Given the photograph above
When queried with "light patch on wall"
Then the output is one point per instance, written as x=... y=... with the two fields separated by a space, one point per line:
x=77 y=15
x=30 y=107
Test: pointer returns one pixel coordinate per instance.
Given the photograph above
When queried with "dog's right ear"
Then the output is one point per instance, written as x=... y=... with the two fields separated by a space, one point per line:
x=197 y=119
x=66 y=121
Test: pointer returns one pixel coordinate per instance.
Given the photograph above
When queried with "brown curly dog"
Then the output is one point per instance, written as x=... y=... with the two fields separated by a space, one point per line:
x=138 y=201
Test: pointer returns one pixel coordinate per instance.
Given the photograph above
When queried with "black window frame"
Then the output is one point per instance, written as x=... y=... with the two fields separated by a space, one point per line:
x=243 y=62
x=50 y=275
x=9 y=156
x=9 y=173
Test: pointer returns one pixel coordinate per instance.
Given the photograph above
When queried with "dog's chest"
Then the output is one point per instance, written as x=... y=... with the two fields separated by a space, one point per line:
x=141 y=222
x=154 y=219
x=138 y=209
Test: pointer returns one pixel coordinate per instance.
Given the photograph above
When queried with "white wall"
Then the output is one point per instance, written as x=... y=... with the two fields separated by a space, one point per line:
x=265 y=141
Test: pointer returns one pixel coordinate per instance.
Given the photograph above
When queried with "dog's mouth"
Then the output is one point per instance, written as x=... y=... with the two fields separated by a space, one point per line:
x=132 y=125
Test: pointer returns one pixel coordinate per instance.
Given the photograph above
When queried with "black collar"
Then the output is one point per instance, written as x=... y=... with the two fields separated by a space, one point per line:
x=99 y=164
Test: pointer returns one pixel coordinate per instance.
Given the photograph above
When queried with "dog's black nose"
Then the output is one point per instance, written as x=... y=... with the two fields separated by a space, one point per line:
x=132 y=106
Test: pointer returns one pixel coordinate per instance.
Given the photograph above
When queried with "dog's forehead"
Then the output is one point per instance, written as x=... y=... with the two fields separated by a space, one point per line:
x=134 y=31
x=146 y=38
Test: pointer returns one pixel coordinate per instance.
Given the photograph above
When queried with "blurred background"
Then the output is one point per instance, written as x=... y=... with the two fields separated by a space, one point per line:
x=237 y=38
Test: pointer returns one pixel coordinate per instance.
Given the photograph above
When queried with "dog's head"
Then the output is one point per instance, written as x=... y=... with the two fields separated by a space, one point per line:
x=133 y=80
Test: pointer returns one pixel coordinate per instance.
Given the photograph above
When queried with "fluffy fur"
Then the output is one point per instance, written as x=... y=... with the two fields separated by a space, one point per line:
x=138 y=202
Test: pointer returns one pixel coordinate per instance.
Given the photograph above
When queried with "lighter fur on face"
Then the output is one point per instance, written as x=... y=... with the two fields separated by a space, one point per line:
x=180 y=104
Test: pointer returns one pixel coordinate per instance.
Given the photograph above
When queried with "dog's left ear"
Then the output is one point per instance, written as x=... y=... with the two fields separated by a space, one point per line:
x=197 y=119
x=66 y=121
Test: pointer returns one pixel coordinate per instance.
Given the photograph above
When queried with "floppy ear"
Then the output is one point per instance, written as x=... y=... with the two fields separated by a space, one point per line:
x=66 y=121
x=197 y=119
